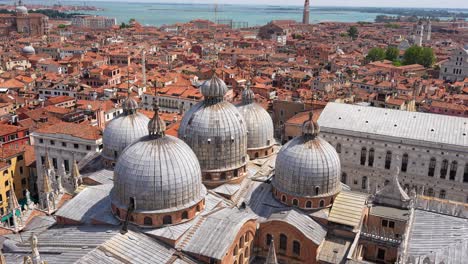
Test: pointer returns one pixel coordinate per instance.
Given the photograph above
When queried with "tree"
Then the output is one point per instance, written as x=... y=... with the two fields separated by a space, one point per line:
x=353 y=32
x=375 y=54
x=427 y=57
x=61 y=26
x=392 y=53
x=419 y=55
x=412 y=55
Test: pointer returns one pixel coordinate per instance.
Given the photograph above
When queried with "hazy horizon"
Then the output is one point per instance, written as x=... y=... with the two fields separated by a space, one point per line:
x=318 y=3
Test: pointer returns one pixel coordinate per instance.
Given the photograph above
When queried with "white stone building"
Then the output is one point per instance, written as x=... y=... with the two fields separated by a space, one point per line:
x=64 y=144
x=456 y=68
x=432 y=149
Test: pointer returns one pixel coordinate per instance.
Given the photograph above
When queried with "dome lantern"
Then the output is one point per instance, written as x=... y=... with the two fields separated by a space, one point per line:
x=248 y=95
x=156 y=126
x=129 y=106
x=214 y=89
x=310 y=128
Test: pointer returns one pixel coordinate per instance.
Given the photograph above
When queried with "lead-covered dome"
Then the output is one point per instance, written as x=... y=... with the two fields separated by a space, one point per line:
x=28 y=50
x=124 y=130
x=161 y=175
x=260 y=137
x=307 y=167
x=216 y=132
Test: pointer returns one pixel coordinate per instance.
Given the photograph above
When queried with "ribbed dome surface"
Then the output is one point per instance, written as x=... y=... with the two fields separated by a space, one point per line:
x=162 y=174
x=259 y=126
x=305 y=163
x=122 y=131
x=217 y=134
x=214 y=88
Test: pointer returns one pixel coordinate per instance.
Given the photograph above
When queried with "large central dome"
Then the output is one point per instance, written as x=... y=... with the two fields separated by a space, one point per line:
x=161 y=175
x=308 y=170
x=216 y=132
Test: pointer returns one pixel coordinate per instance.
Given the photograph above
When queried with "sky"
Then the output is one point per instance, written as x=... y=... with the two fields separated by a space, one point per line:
x=370 y=3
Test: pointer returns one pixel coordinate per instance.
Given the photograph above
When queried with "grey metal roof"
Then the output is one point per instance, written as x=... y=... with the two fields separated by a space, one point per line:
x=132 y=247
x=259 y=126
x=390 y=212
x=102 y=176
x=217 y=133
x=161 y=174
x=58 y=245
x=404 y=125
x=439 y=238
x=304 y=164
x=216 y=233
x=93 y=203
x=122 y=131
x=347 y=208
x=305 y=224
x=334 y=250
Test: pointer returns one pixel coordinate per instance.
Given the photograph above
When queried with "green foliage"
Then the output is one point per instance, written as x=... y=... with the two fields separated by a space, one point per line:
x=392 y=25
x=419 y=55
x=375 y=54
x=61 y=26
x=392 y=53
x=123 y=25
x=397 y=63
x=353 y=32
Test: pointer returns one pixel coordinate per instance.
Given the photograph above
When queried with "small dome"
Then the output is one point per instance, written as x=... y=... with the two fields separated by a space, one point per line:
x=308 y=166
x=28 y=50
x=161 y=174
x=22 y=10
x=260 y=129
x=121 y=132
x=214 y=88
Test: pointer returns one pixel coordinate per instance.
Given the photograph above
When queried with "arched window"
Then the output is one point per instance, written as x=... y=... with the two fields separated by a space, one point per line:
x=198 y=208
x=317 y=190
x=185 y=215
x=388 y=160
x=241 y=259
x=404 y=163
x=256 y=154
x=432 y=165
x=443 y=169
x=241 y=242
x=344 y=177
x=370 y=162
x=246 y=252
x=148 y=221
x=167 y=220
x=235 y=251
x=442 y=194
x=364 y=182
x=453 y=170
x=283 y=245
x=430 y=192
x=295 y=202
x=308 y=204
x=338 y=147
x=283 y=198
x=268 y=239
x=465 y=173
x=223 y=175
x=322 y=203
x=363 y=155
x=247 y=237
x=117 y=212
x=296 y=248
